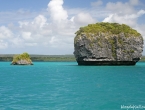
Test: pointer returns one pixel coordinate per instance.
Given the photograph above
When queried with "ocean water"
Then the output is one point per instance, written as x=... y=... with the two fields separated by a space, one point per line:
x=66 y=86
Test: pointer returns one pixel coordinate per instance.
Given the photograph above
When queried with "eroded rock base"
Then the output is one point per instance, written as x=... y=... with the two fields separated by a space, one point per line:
x=107 y=63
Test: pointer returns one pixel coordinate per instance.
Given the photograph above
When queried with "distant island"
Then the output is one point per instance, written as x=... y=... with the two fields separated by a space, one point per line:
x=41 y=58
x=108 y=44
x=47 y=58
x=22 y=59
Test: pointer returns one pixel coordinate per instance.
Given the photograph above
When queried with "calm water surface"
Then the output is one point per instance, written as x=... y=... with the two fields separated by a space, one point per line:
x=66 y=86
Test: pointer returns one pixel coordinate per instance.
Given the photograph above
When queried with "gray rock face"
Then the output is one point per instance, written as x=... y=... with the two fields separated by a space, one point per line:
x=104 y=49
x=22 y=62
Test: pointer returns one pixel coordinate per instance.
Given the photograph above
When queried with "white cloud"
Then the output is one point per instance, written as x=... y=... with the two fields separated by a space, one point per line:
x=140 y=13
x=15 y=16
x=31 y=44
x=5 y=33
x=134 y=2
x=54 y=29
x=124 y=13
x=36 y=30
x=57 y=11
x=3 y=44
x=17 y=42
x=40 y=21
x=97 y=3
x=26 y=35
x=83 y=19
x=120 y=7
x=130 y=19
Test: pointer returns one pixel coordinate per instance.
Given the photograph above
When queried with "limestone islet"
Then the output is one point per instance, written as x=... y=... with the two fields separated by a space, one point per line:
x=108 y=44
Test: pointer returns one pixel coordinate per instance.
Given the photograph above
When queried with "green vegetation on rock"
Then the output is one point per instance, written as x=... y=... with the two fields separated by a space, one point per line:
x=107 y=28
x=25 y=56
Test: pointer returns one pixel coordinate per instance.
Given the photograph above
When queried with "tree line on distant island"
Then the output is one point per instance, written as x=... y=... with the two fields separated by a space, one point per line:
x=43 y=58
x=47 y=58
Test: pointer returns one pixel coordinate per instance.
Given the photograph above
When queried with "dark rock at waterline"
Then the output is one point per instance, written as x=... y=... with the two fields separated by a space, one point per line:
x=22 y=62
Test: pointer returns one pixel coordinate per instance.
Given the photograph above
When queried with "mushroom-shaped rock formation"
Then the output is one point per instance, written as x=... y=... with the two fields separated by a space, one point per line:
x=107 y=44
x=22 y=59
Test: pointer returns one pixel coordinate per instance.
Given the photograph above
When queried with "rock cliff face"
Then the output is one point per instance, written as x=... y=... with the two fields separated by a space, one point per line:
x=22 y=59
x=22 y=62
x=108 y=44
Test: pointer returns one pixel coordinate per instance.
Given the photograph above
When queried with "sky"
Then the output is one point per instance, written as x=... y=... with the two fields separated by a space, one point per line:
x=48 y=26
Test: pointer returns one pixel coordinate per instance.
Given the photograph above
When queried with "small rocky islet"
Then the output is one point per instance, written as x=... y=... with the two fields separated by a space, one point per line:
x=22 y=59
x=107 y=44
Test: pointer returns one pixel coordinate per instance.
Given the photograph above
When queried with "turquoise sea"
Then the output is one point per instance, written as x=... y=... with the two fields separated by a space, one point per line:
x=66 y=86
